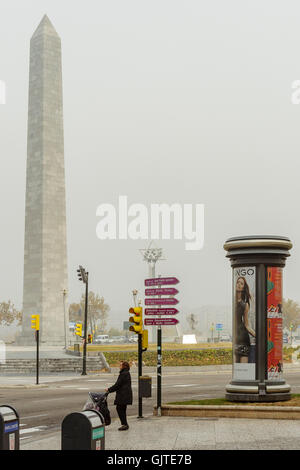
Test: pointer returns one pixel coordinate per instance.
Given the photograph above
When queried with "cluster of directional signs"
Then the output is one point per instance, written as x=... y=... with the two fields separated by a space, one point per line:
x=160 y=305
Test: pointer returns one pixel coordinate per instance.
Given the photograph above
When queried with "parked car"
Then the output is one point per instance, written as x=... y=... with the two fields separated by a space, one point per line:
x=101 y=339
x=133 y=339
x=116 y=339
x=226 y=338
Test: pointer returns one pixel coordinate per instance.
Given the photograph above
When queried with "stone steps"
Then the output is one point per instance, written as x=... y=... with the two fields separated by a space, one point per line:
x=24 y=366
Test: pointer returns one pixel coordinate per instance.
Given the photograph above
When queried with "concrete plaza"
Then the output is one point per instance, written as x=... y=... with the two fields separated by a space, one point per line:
x=171 y=433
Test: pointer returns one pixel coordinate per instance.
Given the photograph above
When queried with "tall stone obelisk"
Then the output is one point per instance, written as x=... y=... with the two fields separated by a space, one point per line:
x=45 y=256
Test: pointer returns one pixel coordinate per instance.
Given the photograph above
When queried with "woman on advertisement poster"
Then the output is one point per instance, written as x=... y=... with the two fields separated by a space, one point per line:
x=243 y=328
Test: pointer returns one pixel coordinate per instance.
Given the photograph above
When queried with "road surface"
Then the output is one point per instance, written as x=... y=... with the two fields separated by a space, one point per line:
x=43 y=409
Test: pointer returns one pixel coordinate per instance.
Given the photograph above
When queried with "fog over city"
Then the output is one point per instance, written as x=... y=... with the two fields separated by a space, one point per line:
x=165 y=102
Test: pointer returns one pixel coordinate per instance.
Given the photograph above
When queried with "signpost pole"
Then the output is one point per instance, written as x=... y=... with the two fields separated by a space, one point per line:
x=159 y=358
x=85 y=325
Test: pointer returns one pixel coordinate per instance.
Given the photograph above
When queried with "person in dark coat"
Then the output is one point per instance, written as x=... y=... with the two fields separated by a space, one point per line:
x=123 y=390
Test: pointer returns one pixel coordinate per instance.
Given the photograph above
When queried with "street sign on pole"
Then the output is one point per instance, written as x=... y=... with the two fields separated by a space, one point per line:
x=163 y=291
x=161 y=321
x=164 y=301
x=219 y=326
x=161 y=311
x=161 y=281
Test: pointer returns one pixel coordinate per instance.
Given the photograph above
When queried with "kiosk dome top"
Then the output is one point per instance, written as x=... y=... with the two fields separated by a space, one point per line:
x=258 y=241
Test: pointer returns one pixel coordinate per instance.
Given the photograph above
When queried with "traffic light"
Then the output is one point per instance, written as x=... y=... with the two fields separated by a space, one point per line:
x=82 y=274
x=78 y=329
x=137 y=320
x=145 y=339
x=90 y=338
x=35 y=322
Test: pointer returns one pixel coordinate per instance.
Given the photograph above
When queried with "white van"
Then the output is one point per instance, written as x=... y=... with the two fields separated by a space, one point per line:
x=101 y=339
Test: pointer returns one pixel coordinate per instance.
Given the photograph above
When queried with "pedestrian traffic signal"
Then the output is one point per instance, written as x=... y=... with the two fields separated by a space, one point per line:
x=78 y=329
x=137 y=319
x=35 y=322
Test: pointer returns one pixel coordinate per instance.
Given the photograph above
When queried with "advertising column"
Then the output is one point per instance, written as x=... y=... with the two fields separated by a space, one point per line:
x=257 y=265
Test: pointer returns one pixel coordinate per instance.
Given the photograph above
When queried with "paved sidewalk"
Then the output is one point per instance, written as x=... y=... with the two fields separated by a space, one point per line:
x=171 y=433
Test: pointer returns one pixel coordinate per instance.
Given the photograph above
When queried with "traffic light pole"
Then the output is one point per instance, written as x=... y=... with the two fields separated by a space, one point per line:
x=85 y=324
x=37 y=336
x=140 y=373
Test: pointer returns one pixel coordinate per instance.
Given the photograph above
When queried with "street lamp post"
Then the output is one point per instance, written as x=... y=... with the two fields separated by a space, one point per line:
x=84 y=277
x=66 y=320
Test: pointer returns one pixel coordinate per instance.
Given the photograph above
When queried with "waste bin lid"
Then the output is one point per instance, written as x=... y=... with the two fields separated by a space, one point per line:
x=7 y=413
x=94 y=417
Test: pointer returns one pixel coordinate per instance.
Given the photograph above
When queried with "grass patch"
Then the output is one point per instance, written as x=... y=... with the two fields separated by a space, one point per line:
x=185 y=357
x=174 y=354
x=209 y=401
x=294 y=401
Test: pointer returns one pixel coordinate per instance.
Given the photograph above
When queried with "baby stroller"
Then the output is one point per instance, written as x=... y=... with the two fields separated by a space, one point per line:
x=98 y=402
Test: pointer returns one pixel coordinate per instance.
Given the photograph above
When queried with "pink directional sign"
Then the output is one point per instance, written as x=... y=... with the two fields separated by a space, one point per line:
x=165 y=301
x=161 y=281
x=163 y=291
x=161 y=311
x=160 y=321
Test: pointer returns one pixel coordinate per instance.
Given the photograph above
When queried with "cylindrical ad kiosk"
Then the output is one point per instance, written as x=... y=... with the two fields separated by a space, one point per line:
x=257 y=263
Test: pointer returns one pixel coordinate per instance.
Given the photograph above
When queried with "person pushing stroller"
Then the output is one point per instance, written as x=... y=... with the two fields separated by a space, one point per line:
x=123 y=390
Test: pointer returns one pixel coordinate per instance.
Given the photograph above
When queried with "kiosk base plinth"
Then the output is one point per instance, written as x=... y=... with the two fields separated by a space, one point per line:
x=262 y=392
x=256 y=398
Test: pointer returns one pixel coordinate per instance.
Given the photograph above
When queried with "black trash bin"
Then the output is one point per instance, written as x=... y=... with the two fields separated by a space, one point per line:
x=83 y=430
x=145 y=386
x=9 y=428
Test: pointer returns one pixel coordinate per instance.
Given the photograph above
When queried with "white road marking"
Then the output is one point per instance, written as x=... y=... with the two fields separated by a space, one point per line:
x=33 y=416
x=75 y=388
x=193 y=396
x=28 y=430
x=184 y=385
x=49 y=399
x=97 y=380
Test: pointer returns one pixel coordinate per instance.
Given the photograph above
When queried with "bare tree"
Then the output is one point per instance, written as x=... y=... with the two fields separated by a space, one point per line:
x=291 y=313
x=97 y=311
x=9 y=314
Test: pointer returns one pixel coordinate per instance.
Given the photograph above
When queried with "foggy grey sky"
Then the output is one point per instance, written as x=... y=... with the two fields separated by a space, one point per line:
x=164 y=101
